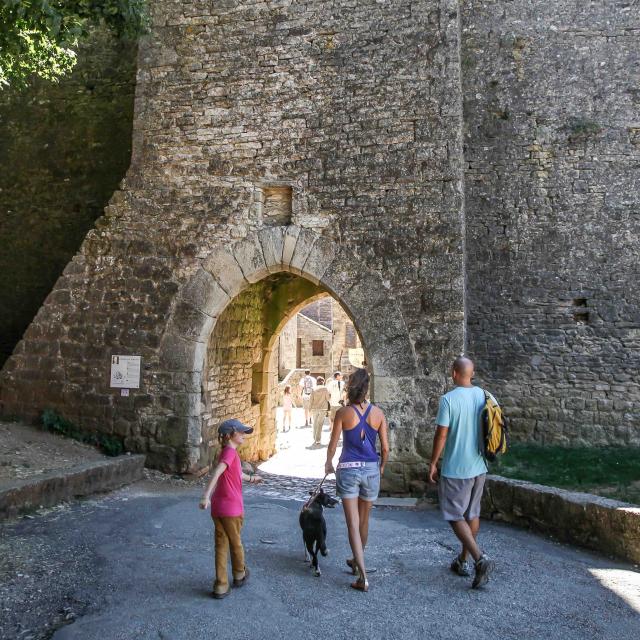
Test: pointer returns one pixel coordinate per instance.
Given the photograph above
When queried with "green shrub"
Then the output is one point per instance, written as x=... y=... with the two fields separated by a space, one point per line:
x=613 y=472
x=55 y=423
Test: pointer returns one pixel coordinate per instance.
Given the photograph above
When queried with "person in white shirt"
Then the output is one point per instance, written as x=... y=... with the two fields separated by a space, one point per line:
x=307 y=385
x=337 y=390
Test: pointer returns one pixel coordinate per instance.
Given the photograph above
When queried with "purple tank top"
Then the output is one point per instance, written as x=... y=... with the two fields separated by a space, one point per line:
x=359 y=443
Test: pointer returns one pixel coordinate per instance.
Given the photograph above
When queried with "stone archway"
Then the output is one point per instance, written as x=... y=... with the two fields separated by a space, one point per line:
x=226 y=272
x=237 y=379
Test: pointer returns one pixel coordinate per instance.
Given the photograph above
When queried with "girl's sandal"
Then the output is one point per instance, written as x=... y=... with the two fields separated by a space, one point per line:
x=360 y=585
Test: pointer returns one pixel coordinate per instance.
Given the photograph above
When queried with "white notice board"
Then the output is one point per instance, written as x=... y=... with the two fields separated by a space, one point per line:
x=125 y=372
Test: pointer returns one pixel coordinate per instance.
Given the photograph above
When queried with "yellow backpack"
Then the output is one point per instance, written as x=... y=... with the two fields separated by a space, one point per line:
x=494 y=435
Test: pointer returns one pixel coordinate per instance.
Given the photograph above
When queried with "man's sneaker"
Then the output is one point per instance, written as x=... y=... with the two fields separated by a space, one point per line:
x=484 y=566
x=460 y=567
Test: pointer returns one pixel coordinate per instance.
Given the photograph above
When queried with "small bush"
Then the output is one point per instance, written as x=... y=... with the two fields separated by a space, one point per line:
x=55 y=423
x=613 y=472
x=579 y=128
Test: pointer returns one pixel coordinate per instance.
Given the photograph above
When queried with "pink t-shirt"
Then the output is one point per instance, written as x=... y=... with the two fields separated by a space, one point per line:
x=227 y=497
x=287 y=403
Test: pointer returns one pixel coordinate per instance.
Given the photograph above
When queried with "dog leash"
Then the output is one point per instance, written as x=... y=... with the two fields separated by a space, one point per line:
x=314 y=493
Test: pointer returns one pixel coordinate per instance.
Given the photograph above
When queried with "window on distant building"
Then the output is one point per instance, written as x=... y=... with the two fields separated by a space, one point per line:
x=317 y=347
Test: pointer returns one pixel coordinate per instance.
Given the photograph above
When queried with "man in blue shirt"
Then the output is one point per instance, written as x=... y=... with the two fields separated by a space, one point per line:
x=464 y=470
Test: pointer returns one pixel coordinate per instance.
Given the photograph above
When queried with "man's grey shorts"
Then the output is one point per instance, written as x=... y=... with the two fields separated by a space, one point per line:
x=460 y=498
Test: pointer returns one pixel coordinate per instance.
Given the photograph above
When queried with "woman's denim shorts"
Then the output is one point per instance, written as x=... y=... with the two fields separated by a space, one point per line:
x=359 y=482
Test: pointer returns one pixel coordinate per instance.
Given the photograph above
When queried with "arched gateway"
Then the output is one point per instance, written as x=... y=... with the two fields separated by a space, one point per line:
x=321 y=267
x=272 y=162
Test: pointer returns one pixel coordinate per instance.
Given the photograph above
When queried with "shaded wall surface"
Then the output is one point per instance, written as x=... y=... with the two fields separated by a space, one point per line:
x=63 y=150
x=552 y=187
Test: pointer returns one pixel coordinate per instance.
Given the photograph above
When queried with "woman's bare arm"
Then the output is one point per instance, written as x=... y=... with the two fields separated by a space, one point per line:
x=384 y=443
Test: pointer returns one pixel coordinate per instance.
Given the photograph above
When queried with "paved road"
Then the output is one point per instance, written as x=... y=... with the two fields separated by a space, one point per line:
x=296 y=455
x=138 y=564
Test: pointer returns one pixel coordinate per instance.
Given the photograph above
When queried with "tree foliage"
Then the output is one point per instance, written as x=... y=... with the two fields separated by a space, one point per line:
x=41 y=37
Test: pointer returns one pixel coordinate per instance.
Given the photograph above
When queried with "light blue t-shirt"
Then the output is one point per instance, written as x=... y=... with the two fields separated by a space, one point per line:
x=460 y=411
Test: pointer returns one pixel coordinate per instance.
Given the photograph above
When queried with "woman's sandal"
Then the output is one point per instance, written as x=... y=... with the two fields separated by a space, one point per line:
x=352 y=565
x=360 y=585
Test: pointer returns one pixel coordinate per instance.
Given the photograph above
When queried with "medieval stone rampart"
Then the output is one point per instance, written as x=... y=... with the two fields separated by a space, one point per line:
x=317 y=138
x=418 y=160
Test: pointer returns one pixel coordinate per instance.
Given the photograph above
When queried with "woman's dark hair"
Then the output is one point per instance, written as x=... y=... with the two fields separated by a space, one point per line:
x=358 y=386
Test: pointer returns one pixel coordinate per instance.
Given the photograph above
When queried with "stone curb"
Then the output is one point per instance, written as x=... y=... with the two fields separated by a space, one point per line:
x=58 y=486
x=605 y=525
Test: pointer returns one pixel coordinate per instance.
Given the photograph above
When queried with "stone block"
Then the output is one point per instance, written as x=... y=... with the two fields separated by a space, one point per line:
x=22 y=496
x=204 y=293
x=388 y=358
x=289 y=242
x=394 y=480
x=178 y=354
x=392 y=390
x=319 y=259
x=304 y=244
x=162 y=457
x=340 y=276
x=190 y=323
x=226 y=271
x=608 y=526
x=272 y=243
x=186 y=404
x=248 y=254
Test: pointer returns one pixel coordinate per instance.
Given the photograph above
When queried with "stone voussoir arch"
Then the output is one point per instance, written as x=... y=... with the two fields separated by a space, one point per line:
x=228 y=270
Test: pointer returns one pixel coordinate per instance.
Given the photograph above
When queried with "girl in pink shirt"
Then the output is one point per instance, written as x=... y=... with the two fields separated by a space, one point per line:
x=227 y=506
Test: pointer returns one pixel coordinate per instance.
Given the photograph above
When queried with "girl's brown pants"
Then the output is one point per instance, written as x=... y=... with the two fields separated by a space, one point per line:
x=227 y=539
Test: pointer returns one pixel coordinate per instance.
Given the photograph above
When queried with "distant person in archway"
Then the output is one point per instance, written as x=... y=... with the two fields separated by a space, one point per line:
x=287 y=406
x=337 y=390
x=464 y=470
x=307 y=385
x=360 y=466
x=319 y=406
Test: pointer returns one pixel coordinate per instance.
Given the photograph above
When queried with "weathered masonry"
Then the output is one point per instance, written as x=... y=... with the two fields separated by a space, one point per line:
x=443 y=169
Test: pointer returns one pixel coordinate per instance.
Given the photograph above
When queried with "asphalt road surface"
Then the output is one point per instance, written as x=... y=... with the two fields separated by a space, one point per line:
x=137 y=564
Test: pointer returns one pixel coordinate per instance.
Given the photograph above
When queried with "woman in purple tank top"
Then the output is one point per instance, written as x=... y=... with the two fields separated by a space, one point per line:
x=360 y=466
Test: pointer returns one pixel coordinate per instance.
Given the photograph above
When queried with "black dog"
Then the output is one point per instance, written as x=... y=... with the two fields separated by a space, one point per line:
x=314 y=526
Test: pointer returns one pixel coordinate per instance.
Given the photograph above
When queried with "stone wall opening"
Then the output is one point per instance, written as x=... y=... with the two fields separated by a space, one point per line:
x=242 y=377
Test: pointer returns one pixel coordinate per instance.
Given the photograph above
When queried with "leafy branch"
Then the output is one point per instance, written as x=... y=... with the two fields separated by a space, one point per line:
x=41 y=37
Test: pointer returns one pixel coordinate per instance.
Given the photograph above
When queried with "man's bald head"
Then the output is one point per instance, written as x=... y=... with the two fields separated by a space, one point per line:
x=462 y=370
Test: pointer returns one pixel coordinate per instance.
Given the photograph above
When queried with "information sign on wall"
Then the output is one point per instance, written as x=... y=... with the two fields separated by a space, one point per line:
x=125 y=372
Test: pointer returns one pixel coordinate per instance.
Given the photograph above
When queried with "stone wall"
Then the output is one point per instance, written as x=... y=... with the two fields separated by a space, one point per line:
x=63 y=150
x=608 y=526
x=234 y=348
x=268 y=137
x=287 y=346
x=345 y=337
x=552 y=194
